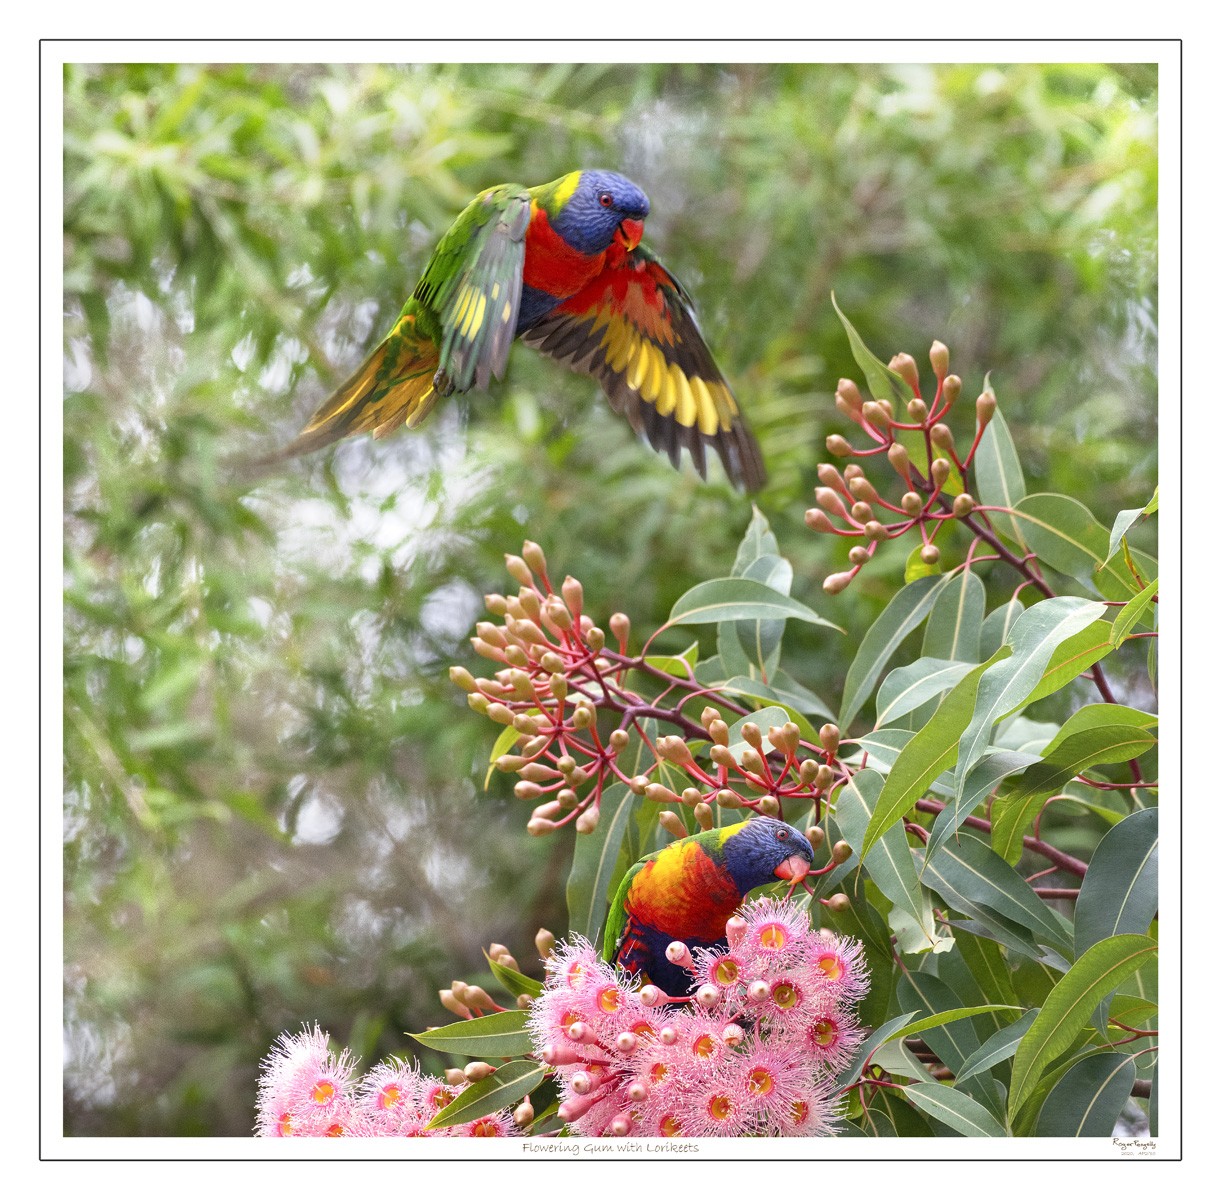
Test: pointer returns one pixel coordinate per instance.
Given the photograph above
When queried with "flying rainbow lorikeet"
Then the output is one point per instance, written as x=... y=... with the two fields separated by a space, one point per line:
x=560 y=266
x=690 y=888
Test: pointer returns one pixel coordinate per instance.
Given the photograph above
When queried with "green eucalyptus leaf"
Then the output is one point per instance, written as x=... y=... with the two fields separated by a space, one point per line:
x=1065 y=1012
x=738 y=600
x=1119 y=891
x=1087 y=1100
x=883 y=383
x=955 y=1109
x=503 y=1088
x=998 y=475
x=498 y=1035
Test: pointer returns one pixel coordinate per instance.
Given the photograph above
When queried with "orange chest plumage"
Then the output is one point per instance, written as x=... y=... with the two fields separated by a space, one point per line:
x=552 y=265
x=685 y=893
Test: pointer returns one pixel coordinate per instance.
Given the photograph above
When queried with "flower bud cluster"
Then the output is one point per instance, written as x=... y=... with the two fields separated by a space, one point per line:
x=305 y=1090
x=850 y=505
x=754 y=1052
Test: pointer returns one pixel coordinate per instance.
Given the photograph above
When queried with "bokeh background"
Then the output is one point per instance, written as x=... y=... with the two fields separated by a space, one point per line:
x=274 y=799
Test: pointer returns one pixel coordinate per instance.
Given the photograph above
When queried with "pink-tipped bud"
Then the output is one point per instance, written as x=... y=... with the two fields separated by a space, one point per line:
x=728 y=799
x=759 y=990
x=691 y=796
x=839 y=903
x=637 y=1091
x=637 y=784
x=828 y=476
x=518 y=569
x=621 y=627
x=719 y=732
x=939 y=358
x=658 y=793
x=626 y=1042
x=672 y=823
x=876 y=531
x=578 y=1031
x=733 y=1035
x=735 y=931
x=707 y=995
x=531 y=605
x=818 y=521
x=621 y=1126
x=475 y=1071
x=539 y=826
x=904 y=366
x=562 y=1054
x=834 y=584
x=839 y=446
x=557 y=615
x=587 y=822
x=500 y=713
x=576 y=1107
x=581 y=1082
x=849 y=392
x=680 y=955
x=673 y=749
x=651 y=995
x=548 y=811
x=451 y=1003
x=876 y=415
x=532 y=552
x=667 y=1035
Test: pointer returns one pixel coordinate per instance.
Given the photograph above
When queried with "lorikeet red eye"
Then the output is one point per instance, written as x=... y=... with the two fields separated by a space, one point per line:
x=782 y=835
x=606 y=200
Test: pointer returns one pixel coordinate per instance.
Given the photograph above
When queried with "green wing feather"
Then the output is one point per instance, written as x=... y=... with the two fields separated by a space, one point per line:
x=473 y=285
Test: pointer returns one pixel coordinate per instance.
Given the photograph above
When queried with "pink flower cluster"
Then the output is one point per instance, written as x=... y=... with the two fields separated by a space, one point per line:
x=305 y=1090
x=755 y=1052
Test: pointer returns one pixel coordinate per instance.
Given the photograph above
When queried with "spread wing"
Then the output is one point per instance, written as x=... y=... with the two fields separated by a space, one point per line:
x=473 y=285
x=632 y=329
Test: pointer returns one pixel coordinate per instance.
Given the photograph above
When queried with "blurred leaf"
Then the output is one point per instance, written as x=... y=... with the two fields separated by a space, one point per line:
x=594 y=861
x=515 y=982
x=738 y=600
x=883 y=383
x=998 y=476
x=954 y=626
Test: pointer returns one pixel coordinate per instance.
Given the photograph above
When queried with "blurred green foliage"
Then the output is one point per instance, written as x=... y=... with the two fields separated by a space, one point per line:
x=274 y=798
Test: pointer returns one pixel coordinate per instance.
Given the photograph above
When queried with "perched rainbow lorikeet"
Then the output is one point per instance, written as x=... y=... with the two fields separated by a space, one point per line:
x=688 y=890
x=560 y=266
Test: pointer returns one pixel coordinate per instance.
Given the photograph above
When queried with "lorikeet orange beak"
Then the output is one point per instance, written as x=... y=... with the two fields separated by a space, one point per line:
x=630 y=232
x=794 y=868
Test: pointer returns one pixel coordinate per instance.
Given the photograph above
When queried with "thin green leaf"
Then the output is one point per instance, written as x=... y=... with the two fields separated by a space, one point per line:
x=1002 y=1045
x=1132 y=612
x=513 y=981
x=679 y=665
x=503 y=1088
x=738 y=600
x=978 y=785
x=593 y=863
x=955 y=1109
x=852 y=1072
x=904 y=613
x=498 y=1035
x=952 y=1014
x=1006 y=685
x=954 y=626
x=930 y=751
x=1103 y=967
x=906 y=688
x=998 y=475
x=883 y=383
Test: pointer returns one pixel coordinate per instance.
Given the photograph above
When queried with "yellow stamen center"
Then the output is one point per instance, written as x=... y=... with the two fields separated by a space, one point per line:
x=719 y=1107
x=760 y=1081
x=609 y=1000
x=800 y=1112
x=334 y=1131
x=726 y=972
x=659 y=1072
x=670 y=1126
x=390 y=1095
x=785 y=995
x=826 y=1033
x=704 y=1046
x=285 y=1125
x=831 y=966
x=773 y=937
x=324 y=1091
x=485 y=1128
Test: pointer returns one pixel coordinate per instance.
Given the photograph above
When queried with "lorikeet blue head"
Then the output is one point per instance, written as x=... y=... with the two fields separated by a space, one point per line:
x=601 y=208
x=763 y=850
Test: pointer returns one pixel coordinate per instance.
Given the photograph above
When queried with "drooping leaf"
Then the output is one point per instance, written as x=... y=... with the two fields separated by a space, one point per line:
x=1102 y=967
x=1119 y=891
x=979 y=783
x=852 y=1072
x=1072 y=657
x=1131 y=613
x=515 y=982
x=755 y=689
x=1087 y=1100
